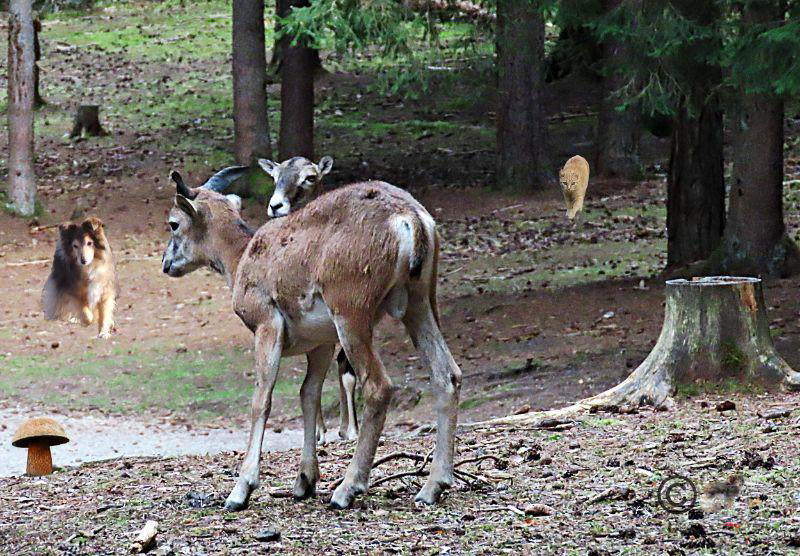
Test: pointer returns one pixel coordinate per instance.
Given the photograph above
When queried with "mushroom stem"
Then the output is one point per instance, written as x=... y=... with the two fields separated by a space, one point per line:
x=39 y=460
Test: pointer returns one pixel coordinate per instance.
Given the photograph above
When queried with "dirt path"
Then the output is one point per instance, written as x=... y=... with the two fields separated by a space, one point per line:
x=97 y=438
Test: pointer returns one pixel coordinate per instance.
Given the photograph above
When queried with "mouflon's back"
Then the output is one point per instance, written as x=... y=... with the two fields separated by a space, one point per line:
x=360 y=239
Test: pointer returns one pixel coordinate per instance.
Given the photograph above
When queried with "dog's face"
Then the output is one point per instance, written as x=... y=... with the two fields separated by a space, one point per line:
x=81 y=241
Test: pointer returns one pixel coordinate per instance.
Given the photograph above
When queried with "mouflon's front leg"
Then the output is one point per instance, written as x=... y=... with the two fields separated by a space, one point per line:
x=269 y=343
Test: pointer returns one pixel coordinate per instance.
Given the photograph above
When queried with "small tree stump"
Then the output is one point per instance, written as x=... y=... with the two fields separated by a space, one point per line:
x=714 y=328
x=87 y=119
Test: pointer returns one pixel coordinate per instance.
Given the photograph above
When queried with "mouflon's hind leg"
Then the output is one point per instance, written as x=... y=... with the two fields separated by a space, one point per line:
x=421 y=324
x=269 y=340
x=356 y=339
x=320 y=422
x=348 y=418
x=319 y=361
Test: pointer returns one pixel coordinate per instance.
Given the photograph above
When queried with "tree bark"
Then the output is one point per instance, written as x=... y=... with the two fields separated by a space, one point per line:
x=714 y=329
x=87 y=118
x=297 y=98
x=38 y=101
x=282 y=8
x=251 y=126
x=755 y=240
x=21 y=176
x=522 y=161
x=695 y=182
x=619 y=132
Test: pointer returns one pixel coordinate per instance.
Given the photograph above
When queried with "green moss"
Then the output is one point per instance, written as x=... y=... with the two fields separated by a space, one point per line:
x=734 y=360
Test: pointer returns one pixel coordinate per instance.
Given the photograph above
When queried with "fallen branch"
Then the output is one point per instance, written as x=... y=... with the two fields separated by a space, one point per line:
x=146 y=537
x=497 y=461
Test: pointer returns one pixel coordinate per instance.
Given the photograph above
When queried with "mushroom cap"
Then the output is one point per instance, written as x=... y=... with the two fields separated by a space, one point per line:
x=42 y=429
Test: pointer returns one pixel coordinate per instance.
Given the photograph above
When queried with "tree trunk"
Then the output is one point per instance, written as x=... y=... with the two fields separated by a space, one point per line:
x=714 y=329
x=251 y=127
x=38 y=101
x=282 y=8
x=755 y=240
x=695 y=183
x=618 y=131
x=21 y=176
x=87 y=118
x=522 y=161
x=297 y=99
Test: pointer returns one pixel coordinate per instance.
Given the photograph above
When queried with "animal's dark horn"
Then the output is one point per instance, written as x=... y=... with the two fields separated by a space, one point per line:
x=183 y=189
x=220 y=181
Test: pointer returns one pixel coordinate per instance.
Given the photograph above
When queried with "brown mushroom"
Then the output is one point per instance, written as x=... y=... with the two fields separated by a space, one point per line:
x=37 y=435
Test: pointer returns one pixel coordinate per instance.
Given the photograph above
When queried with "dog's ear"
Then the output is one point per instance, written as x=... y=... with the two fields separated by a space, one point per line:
x=92 y=224
x=187 y=205
x=66 y=231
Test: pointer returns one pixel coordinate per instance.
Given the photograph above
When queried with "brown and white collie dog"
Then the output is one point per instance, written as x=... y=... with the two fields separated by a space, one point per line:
x=82 y=281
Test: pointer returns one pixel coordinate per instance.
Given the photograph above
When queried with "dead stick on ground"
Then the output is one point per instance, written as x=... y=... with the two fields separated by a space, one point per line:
x=495 y=459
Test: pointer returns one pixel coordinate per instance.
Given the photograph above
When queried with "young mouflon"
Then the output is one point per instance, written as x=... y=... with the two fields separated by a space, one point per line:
x=82 y=281
x=298 y=181
x=324 y=275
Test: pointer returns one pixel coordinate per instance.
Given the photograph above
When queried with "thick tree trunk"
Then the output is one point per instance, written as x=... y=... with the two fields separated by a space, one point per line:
x=251 y=127
x=87 y=118
x=21 y=176
x=282 y=8
x=522 y=161
x=38 y=101
x=297 y=99
x=618 y=131
x=755 y=240
x=714 y=329
x=695 y=183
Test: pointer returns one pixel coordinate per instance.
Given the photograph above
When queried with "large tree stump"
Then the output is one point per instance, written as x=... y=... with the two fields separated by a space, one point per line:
x=715 y=328
x=87 y=119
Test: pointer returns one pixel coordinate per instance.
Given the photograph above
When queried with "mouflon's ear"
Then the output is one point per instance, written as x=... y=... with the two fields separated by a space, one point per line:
x=187 y=205
x=325 y=165
x=269 y=167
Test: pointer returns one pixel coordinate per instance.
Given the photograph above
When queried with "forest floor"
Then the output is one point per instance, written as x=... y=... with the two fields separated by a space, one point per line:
x=538 y=312
x=581 y=487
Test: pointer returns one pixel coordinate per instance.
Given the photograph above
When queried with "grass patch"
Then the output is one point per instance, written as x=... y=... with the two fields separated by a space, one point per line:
x=205 y=385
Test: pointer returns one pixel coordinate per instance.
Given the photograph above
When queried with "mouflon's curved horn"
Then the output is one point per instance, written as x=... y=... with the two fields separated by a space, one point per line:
x=220 y=181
